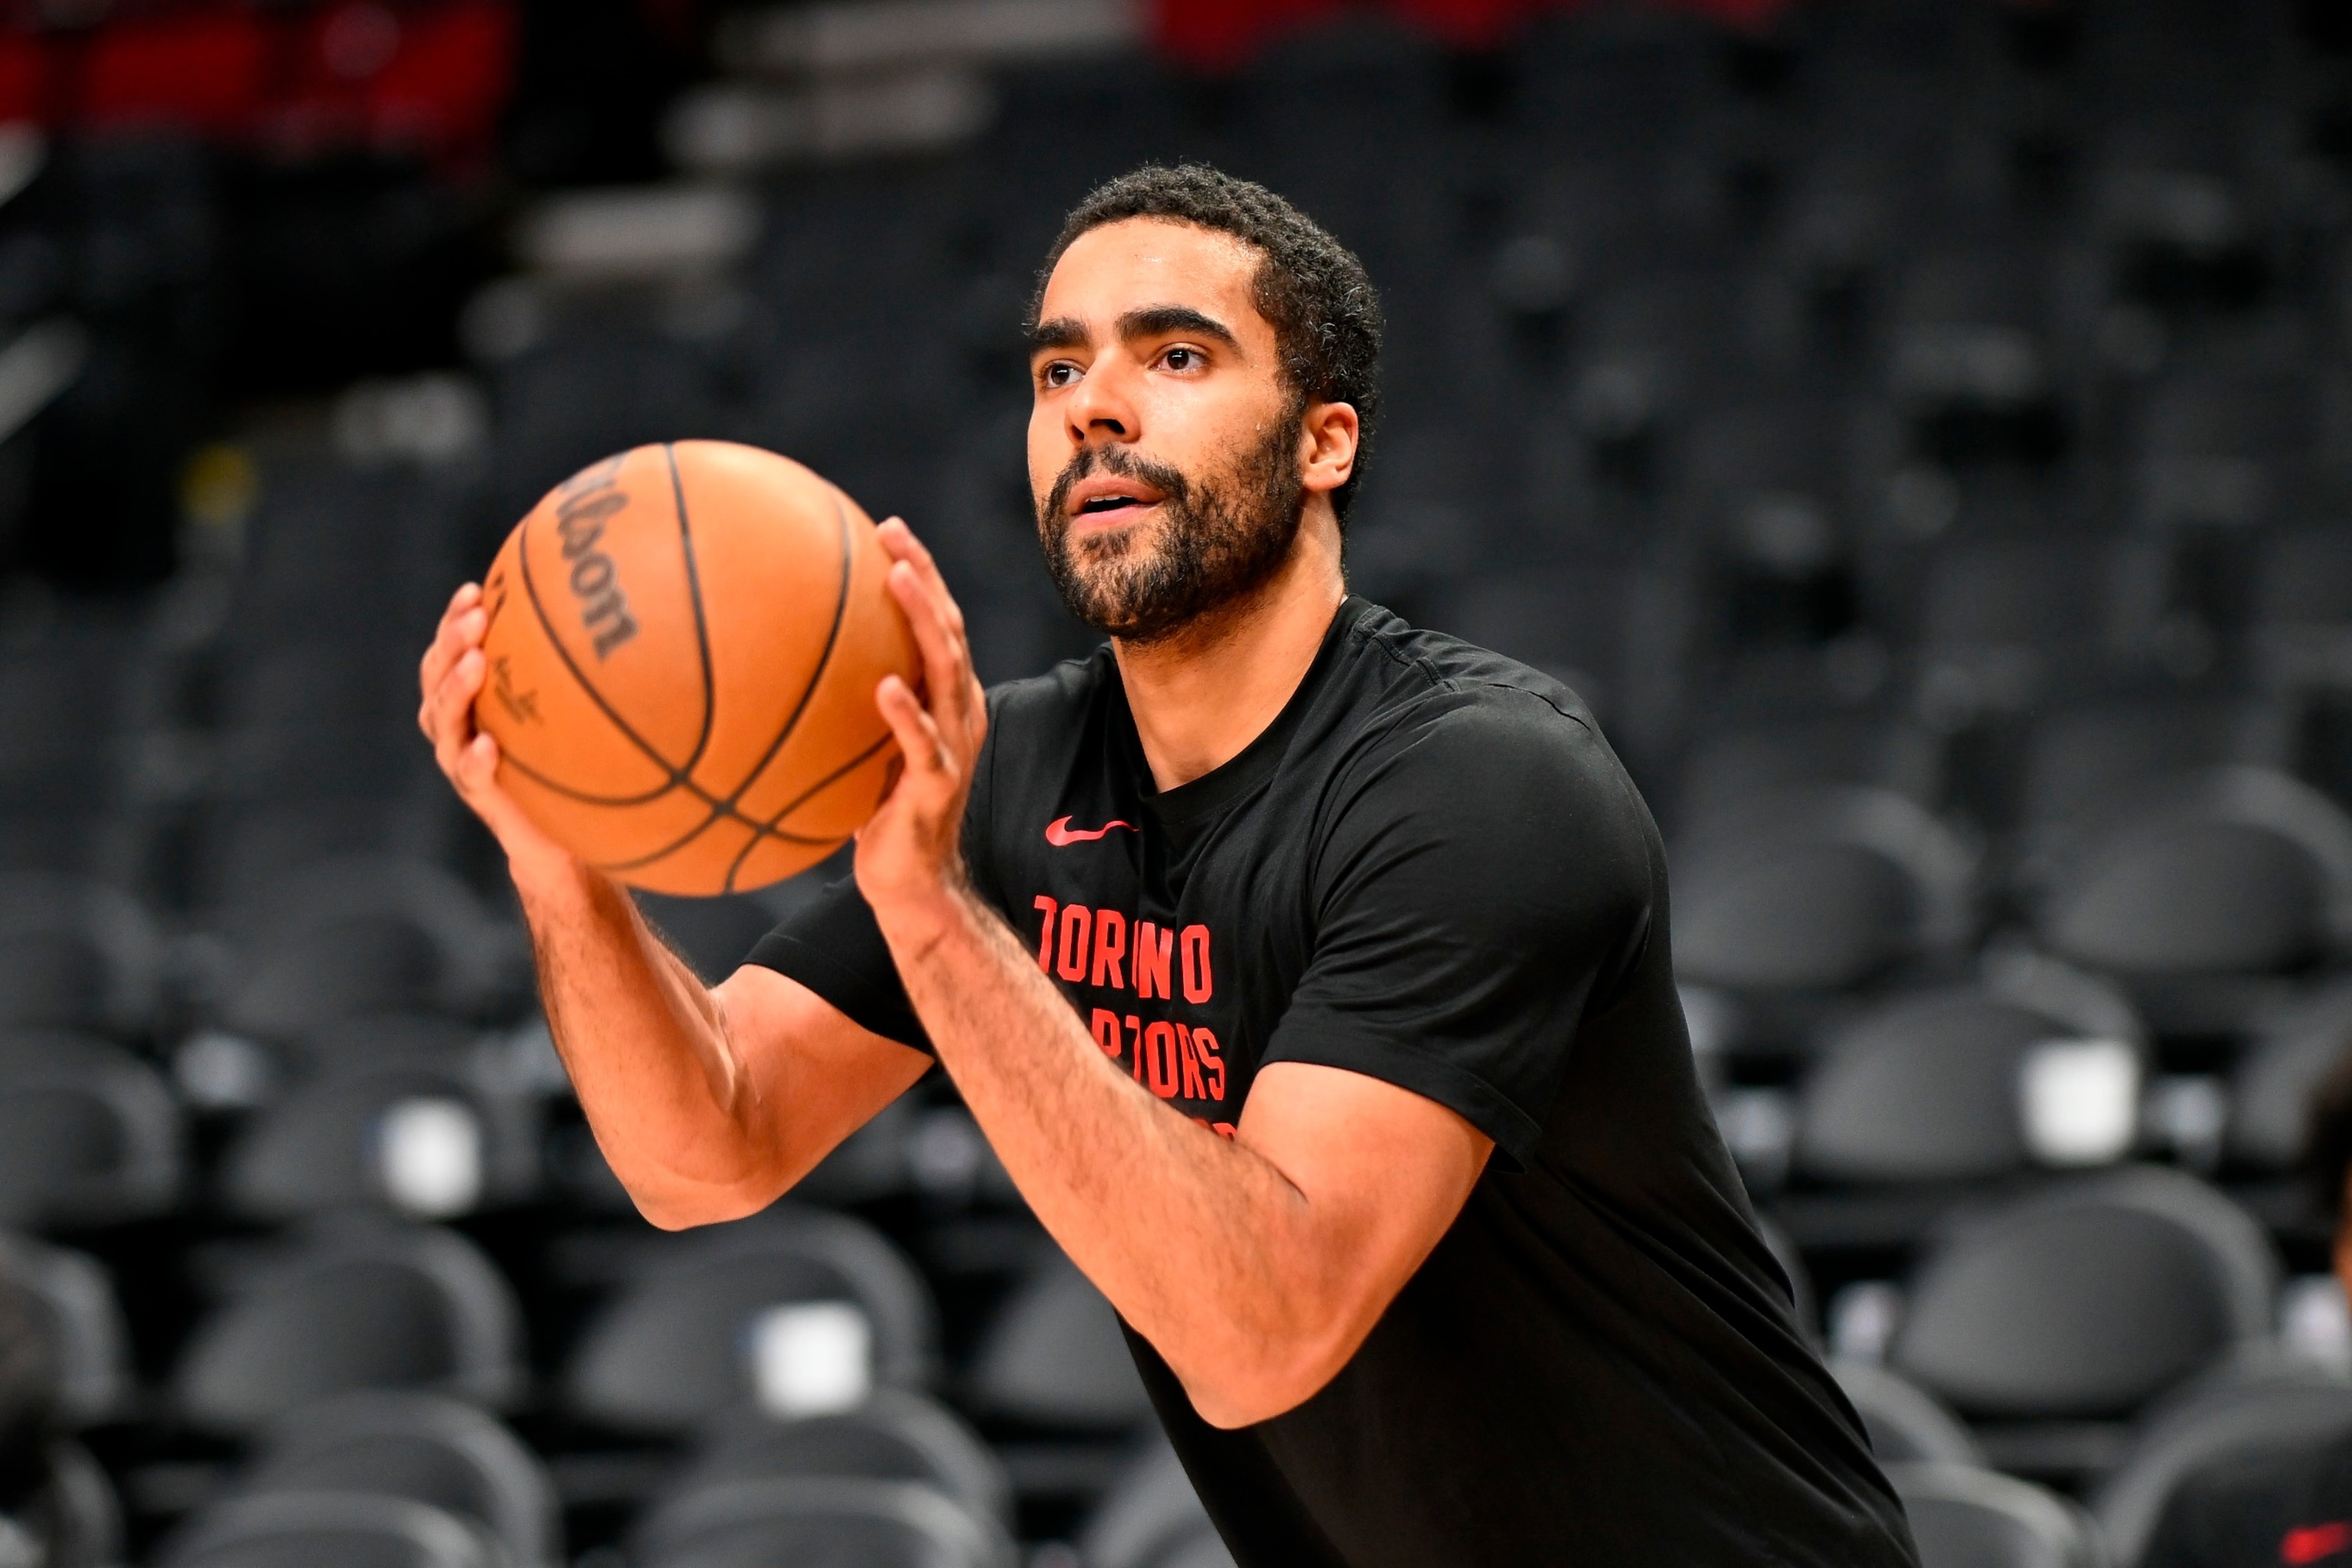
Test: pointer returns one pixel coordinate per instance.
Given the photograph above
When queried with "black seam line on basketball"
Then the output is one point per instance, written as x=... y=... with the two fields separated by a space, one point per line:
x=554 y=789
x=722 y=809
x=694 y=594
x=770 y=830
x=677 y=780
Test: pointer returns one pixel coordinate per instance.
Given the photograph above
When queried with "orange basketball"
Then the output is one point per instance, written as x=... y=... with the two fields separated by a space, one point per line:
x=684 y=642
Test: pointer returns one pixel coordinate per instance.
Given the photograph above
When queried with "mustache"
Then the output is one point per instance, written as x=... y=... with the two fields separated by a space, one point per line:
x=1119 y=463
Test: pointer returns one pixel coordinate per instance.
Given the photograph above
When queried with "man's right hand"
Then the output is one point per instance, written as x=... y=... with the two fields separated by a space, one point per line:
x=450 y=678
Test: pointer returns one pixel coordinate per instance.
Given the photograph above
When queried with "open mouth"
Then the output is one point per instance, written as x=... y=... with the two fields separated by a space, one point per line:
x=1103 y=506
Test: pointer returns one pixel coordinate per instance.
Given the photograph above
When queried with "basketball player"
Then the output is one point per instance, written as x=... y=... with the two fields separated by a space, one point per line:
x=1307 y=972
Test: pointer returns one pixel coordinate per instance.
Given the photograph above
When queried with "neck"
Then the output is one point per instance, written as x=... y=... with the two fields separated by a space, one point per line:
x=1202 y=693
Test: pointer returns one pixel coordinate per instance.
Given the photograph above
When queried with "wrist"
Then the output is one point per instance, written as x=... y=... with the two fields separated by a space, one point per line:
x=550 y=879
x=918 y=918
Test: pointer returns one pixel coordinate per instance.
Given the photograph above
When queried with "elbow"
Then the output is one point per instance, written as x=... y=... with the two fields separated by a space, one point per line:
x=1279 y=1380
x=685 y=1208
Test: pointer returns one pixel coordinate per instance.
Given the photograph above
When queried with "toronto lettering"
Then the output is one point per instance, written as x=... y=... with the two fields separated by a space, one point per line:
x=1092 y=947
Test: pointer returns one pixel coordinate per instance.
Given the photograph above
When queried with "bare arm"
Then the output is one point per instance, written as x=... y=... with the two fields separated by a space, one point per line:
x=708 y=1102
x=1255 y=1267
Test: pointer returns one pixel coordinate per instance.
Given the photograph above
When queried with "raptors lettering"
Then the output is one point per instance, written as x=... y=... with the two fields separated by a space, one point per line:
x=1100 y=948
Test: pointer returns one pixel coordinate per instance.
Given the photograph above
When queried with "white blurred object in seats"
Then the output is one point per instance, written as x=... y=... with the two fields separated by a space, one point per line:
x=2188 y=1113
x=2314 y=1322
x=429 y=1156
x=2078 y=1101
x=869 y=35
x=221 y=1071
x=648 y=231
x=1862 y=1318
x=1759 y=1128
x=729 y=128
x=811 y=1358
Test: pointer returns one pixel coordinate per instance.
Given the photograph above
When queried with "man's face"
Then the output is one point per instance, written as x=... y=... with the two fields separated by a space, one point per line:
x=1164 y=446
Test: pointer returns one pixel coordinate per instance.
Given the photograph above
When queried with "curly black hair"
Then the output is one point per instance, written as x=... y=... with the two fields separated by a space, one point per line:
x=1310 y=289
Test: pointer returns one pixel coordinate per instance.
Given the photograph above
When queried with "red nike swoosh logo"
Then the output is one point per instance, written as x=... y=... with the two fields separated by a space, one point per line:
x=1059 y=832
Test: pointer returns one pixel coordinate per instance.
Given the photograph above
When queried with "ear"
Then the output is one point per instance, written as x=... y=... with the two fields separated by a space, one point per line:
x=1328 y=432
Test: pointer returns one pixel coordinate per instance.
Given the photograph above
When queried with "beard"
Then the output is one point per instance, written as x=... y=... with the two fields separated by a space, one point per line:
x=1218 y=541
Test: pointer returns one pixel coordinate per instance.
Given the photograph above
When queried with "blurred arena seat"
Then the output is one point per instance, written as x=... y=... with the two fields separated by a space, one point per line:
x=2051 y=1323
x=426 y=1448
x=1818 y=891
x=1054 y=1356
x=1151 y=1518
x=1964 y=1517
x=363 y=935
x=2253 y=1402
x=781 y=1520
x=895 y=1435
x=795 y=1312
x=357 y=1530
x=352 y=1306
x=2239 y=872
x=95 y=1382
x=2272 y=1087
x=1908 y=1425
x=431 y=1140
x=1958 y=1083
x=76 y=954
x=90 y=1133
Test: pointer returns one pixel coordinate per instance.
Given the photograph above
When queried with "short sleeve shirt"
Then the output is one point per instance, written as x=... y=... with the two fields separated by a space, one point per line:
x=1430 y=869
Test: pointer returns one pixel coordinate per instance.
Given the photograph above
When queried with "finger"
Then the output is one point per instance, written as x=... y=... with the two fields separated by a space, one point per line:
x=920 y=739
x=476 y=775
x=463 y=627
x=917 y=555
x=947 y=658
x=453 y=704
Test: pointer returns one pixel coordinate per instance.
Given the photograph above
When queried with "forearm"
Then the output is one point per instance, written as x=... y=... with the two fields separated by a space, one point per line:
x=647 y=1046
x=1203 y=1244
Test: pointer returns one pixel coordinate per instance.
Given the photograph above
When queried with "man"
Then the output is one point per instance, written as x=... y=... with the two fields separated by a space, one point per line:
x=1308 y=974
x=2287 y=1502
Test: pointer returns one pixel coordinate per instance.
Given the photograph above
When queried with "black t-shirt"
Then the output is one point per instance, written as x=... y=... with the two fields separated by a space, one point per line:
x=2275 y=1504
x=1430 y=869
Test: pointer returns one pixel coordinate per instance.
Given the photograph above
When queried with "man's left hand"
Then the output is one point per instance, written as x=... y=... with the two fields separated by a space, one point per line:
x=910 y=855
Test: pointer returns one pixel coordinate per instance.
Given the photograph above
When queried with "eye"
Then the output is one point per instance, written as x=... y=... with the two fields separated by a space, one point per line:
x=1180 y=358
x=1059 y=375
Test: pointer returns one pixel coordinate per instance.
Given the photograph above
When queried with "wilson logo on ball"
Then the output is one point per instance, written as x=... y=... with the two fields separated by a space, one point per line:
x=580 y=519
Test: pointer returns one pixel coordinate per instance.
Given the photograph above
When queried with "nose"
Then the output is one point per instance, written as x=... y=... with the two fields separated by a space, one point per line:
x=1101 y=408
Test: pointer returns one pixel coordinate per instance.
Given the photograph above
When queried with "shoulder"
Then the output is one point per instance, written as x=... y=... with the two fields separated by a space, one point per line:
x=1493 y=725
x=1062 y=695
x=1484 y=776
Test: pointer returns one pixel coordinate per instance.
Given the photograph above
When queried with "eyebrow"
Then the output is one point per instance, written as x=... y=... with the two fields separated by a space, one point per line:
x=1144 y=321
x=1060 y=332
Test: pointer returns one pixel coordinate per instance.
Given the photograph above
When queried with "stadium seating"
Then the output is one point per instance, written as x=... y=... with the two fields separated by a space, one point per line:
x=1151 y=1518
x=795 y=1313
x=2051 y=1323
x=357 y=1304
x=365 y=1530
x=88 y=1132
x=2254 y=1401
x=776 y=1521
x=1920 y=436
x=1962 y=1517
x=895 y=1435
x=425 y=1448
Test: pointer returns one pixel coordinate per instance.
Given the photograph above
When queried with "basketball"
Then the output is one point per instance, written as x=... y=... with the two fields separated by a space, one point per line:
x=683 y=645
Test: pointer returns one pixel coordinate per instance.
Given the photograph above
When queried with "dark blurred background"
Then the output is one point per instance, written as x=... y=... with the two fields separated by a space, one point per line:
x=1921 y=428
